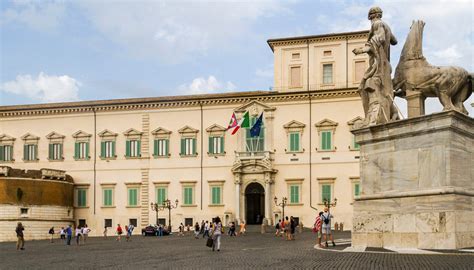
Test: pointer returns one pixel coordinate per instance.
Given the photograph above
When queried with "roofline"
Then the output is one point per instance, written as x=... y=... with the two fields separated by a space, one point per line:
x=269 y=41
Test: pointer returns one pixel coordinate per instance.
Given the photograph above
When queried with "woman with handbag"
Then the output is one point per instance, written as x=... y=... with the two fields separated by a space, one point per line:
x=216 y=234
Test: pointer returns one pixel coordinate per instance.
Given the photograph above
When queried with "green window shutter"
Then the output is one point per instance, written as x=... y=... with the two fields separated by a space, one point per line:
x=356 y=145
x=329 y=140
x=81 y=197
x=297 y=141
x=188 y=195
x=76 y=150
x=102 y=149
x=326 y=193
x=183 y=146
x=35 y=156
x=25 y=152
x=160 y=195
x=132 y=197
x=326 y=140
x=108 y=197
x=356 y=190
x=194 y=146
x=60 y=151
x=87 y=150
x=127 y=148
x=167 y=147
x=211 y=145
x=139 y=146
x=51 y=151
x=222 y=144
x=155 y=148
x=2 y=153
x=215 y=195
x=294 y=194
x=113 y=148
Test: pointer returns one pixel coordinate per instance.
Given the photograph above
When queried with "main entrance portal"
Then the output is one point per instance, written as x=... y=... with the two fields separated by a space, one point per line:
x=254 y=203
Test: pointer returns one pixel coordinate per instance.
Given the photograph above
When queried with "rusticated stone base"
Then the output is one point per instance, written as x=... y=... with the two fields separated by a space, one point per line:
x=417 y=181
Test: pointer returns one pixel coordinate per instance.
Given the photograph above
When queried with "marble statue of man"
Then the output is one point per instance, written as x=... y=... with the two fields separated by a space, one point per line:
x=376 y=88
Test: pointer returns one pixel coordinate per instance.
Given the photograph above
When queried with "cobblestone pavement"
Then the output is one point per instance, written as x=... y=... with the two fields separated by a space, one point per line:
x=254 y=251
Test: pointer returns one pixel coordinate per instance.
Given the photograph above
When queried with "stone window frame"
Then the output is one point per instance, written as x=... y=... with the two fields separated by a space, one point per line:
x=108 y=136
x=354 y=61
x=161 y=184
x=30 y=139
x=290 y=66
x=55 y=138
x=292 y=127
x=81 y=137
x=351 y=124
x=216 y=183
x=216 y=131
x=133 y=185
x=132 y=134
x=294 y=182
x=105 y=186
x=328 y=62
x=187 y=184
x=326 y=125
x=325 y=181
x=76 y=194
x=6 y=140
x=161 y=134
x=355 y=180
x=188 y=132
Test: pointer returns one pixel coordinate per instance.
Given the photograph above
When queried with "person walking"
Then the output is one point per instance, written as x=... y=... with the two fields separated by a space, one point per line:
x=181 y=229
x=242 y=228
x=196 y=230
x=287 y=229
x=317 y=227
x=78 y=235
x=129 y=231
x=62 y=234
x=119 y=233
x=51 y=232
x=68 y=235
x=292 y=228
x=20 y=242
x=232 y=229
x=216 y=234
x=160 y=230
x=105 y=232
x=326 y=227
x=202 y=227
x=85 y=233
x=206 y=229
x=277 y=228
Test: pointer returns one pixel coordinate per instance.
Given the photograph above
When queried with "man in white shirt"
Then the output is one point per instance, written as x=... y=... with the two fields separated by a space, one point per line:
x=326 y=228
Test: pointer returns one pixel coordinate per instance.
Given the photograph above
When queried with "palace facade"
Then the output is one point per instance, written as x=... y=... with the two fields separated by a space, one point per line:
x=125 y=154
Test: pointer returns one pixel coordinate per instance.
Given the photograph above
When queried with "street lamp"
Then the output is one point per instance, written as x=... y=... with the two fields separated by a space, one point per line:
x=168 y=205
x=156 y=207
x=329 y=204
x=282 y=204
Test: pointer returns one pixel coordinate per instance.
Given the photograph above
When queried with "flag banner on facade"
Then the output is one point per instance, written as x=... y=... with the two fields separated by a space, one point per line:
x=233 y=122
x=244 y=123
x=255 y=130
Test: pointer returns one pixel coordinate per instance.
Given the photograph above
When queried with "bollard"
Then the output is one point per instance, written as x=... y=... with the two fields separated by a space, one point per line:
x=300 y=227
x=262 y=228
x=336 y=226
x=341 y=226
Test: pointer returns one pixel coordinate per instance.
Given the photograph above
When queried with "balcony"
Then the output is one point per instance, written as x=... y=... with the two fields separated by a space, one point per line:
x=254 y=155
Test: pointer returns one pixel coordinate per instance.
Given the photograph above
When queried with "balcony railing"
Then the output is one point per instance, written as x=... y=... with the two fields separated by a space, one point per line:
x=253 y=155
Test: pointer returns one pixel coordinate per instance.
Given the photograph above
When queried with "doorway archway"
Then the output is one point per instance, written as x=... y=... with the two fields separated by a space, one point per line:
x=254 y=203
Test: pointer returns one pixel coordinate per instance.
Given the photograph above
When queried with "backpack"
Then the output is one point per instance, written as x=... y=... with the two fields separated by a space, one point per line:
x=326 y=219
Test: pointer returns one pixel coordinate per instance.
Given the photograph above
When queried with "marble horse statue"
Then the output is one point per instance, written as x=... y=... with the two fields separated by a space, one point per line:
x=452 y=85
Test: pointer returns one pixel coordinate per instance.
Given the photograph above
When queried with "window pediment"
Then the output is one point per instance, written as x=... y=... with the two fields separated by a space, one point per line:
x=4 y=138
x=160 y=131
x=352 y=122
x=187 y=130
x=81 y=135
x=29 y=137
x=107 y=133
x=294 y=126
x=54 y=136
x=326 y=124
x=132 y=133
x=255 y=108
x=216 y=130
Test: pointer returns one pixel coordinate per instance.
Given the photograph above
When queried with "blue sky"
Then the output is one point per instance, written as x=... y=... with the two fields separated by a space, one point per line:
x=84 y=50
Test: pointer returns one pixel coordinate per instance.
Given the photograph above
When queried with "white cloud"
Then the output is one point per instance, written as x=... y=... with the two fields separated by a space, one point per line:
x=44 y=88
x=202 y=85
x=39 y=15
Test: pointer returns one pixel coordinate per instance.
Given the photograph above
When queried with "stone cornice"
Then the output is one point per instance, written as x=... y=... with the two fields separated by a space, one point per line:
x=166 y=103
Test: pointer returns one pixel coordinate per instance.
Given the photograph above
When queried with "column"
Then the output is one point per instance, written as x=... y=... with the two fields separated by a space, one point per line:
x=237 y=183
x=415 y=103
x=268 y=199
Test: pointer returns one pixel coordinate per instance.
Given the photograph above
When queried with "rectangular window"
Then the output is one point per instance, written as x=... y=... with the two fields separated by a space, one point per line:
x=108 y=222
x=255 y=144
x=133 y=221
x=55 y=151
x=108 y=197
x=294 y=194
x=132 y=196
x=132 y=148
x=356 y=190
x=325 y=193
x=188 y=222
x=81 y=197
x=30 y=152
x=188 y=146
x=216 y=145
x=107 y=149
x=161 y=195
x=294 y=141
x=161 y=147
x=359 y=70
x=355 y=145
x=6 y=152
x=327 y=74
x=295 y=76
x=188 y=195
x=216 y=195
x=81 y=150
x=326 y=141
x=295 y=56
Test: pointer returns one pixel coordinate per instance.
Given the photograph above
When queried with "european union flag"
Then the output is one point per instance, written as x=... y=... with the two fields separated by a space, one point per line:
x=255 y=130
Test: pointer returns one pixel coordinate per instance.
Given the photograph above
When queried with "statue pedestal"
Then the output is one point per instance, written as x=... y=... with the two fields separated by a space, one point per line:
x=415 y=103
x=417 y=180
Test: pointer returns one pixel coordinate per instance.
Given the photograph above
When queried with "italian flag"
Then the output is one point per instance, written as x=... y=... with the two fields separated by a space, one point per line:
x=244 y=123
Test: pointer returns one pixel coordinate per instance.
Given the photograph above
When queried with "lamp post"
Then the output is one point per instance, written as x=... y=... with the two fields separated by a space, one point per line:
x=329 y=204
x=156 y=207
x=282 y=204
x=168 y=205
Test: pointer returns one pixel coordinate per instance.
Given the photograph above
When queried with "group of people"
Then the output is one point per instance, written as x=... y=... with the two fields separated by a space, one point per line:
x=119 y=231
x=286 y=228
x=66 y=234
x=322 y=226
